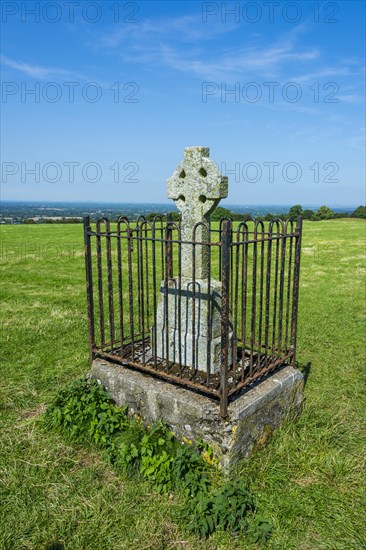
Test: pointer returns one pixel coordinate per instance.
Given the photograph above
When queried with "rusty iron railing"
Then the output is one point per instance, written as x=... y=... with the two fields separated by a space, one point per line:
x=130 y=266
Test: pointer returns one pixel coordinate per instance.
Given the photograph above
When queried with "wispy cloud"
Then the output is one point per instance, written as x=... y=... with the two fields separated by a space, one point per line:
x=264 y=62
x=184 y=44
x=184 y=29
x=324 y=72
x=42 y=73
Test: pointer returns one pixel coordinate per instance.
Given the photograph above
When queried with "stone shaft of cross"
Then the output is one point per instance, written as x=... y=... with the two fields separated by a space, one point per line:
x=196 y=187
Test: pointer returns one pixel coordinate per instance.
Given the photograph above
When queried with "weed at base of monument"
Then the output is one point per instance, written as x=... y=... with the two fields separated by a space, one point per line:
x=85 y=412
x=230 y=508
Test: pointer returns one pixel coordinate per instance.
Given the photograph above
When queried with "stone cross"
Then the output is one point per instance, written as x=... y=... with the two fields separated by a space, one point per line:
x=196 y=188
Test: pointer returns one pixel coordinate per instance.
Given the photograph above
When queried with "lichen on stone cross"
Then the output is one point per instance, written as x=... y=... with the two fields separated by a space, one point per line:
x=196 y=188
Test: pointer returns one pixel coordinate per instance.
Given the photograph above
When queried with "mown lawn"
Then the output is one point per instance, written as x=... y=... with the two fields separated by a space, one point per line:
x=310 y=477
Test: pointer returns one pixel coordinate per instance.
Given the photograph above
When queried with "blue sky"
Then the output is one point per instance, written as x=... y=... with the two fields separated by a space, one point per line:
x=120 y=88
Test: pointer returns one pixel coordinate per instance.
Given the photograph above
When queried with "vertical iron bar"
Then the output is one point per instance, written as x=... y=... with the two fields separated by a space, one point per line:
x=288 y=298
x=139 y=261
x=130 y=291
x=142 y=288
x=168 y=247
x=120 y=286
x=225 y=312
x=180 y=299
x=268 y=288
x=194 y=366
x=282 y=282
x=153 y=259
x=166 y=291
x=110 y=285
x=89 y=286
x=147 y=273
x=235 y=310
x=296 y=287
x=254 y=301
x=244 y=298
x=261 y=284
x=100 y=285
x=209 y=306
x=275 y=285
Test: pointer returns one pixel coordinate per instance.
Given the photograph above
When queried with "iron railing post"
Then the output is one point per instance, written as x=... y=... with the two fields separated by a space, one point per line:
x=89 y=286
x=225 y=314
x=295 y=298
x=169 y=248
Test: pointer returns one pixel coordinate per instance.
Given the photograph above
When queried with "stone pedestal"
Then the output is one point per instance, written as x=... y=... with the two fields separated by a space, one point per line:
x=251 y=419
x=189 y=324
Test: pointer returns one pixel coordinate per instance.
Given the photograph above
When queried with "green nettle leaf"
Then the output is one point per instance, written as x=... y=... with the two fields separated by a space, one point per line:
x=85 y=411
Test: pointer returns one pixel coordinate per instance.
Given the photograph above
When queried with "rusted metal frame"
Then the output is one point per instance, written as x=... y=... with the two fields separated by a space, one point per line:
x=194 y=365
x=120 y=220
x=145 y=227
x=235 y=309
x=275 y=290
x=230 y=288
x=162 y=231
x=268 y=294
x=110 y=283
x=141 y=220
x=148 y=226
x=100 y=280
x=261 y=284
x=130 y=288
x=209 y=309
x=231 y=268
x=254 y=302
x=168 y=376
x=289 y=277
x=296 y=287
x=167 y=278
x=127 y=341
x=155 y=260
x=225 y=313
x=171 y=227
x=243 y=229
x=272 y=238
x=195 y=243
x=89 y=286
x=282 y=285
x=260 y=374
x=168 y=247
x=154 y=275
x=220 y=240
x=162 y=239
x=181 y=366
x=138 y=240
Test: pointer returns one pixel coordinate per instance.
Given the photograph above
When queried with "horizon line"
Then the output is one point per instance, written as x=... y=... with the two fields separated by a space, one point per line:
x=168 y=203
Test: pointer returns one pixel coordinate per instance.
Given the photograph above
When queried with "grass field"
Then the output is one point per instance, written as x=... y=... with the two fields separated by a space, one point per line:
x=310 y=477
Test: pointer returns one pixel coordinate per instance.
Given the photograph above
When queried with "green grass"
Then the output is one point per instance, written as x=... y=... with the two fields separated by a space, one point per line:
x=310 y=477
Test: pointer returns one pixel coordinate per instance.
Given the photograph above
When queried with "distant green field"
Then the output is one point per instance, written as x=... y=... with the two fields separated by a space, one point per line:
x=310 y=477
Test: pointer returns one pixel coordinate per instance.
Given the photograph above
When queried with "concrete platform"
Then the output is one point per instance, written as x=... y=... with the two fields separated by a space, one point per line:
x=252 y=416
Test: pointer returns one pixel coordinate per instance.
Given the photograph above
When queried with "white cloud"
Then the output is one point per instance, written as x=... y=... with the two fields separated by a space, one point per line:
x=42 y=73
x=183 y=44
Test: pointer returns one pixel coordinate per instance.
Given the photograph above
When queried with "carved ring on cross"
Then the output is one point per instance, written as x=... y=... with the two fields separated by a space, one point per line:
x=197 y=185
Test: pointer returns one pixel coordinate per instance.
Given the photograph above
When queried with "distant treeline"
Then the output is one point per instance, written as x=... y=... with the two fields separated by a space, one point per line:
x=323 y=213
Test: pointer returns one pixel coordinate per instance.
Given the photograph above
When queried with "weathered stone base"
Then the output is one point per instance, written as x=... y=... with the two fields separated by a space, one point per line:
x=184 y=347
x=252 y=416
